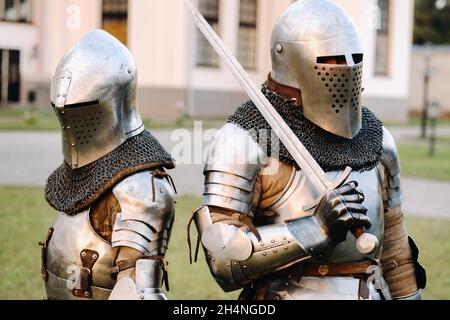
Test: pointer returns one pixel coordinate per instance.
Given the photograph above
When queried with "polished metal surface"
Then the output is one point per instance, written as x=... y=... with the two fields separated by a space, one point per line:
x=315 y=288
x=73 y=234
x=236 y=258
x=148 y=278
x=94 y=97
x=331 y=94
x=231 y=167
x=144 y=223
x=299 y=193
x=391 y=162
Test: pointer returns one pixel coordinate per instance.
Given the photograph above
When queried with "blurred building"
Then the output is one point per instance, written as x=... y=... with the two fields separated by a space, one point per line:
x=439 y=70
x=178 y=71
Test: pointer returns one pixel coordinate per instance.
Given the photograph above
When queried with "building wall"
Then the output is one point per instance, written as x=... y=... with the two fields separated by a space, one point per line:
x=439 y=83
x=162 y=38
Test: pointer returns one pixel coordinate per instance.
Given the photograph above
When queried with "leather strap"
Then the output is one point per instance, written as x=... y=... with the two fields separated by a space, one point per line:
x=323 y=270
x=88 y=259
x=284 y=91
x=44 y=245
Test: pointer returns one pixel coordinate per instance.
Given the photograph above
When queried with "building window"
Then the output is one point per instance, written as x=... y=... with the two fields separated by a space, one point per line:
x=382 y=39
x=15 y=10
x=206 y=56
x=247 y=33
x=115 y=18
x=9 y=76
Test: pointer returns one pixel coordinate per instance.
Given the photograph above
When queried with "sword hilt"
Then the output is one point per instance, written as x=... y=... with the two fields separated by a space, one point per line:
x=366 y=243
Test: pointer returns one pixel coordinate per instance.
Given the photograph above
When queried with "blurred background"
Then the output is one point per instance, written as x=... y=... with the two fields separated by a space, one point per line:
x=181 y=80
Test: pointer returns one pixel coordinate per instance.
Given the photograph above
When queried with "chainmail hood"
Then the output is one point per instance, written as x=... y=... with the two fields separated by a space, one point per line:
x=332 y=152
x=72 y=191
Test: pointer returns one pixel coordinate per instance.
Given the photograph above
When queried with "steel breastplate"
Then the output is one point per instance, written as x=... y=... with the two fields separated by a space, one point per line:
x=299 y=192
x=72 y=235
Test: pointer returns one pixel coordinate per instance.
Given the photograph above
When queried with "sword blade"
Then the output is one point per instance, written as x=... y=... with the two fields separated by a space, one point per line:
x=299 y=153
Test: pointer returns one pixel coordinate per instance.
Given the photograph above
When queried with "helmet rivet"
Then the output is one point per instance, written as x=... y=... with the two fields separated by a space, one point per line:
x=69 y=76
x=279 y=48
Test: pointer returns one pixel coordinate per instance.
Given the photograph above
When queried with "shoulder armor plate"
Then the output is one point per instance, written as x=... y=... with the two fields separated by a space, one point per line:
x=231 y=168
x=147 y=210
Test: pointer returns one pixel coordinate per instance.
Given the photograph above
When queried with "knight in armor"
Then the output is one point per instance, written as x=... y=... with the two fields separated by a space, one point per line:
x=114 y=199
x=258 y=228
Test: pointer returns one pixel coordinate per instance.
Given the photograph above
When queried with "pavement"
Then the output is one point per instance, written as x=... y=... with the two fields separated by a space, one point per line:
x=28 y=158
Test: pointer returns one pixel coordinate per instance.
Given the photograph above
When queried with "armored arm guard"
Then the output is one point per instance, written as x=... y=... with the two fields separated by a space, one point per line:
x=401 y=269
x=143 y=227
x=237 y=252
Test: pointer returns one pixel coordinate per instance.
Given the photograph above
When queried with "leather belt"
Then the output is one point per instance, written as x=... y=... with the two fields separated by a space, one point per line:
x=331 y=269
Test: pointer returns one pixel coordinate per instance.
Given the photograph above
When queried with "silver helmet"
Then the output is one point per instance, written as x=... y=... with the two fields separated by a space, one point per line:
x=93 y=94
x=315 y=48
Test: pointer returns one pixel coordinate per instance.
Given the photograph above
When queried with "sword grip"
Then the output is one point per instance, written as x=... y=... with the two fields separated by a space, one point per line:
x=366 y=243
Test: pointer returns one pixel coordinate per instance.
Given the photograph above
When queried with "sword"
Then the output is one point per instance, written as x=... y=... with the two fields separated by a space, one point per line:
x=366 y=243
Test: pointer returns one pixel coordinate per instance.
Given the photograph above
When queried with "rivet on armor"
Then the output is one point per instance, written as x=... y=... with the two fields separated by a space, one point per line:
x=262 y=244
x=228 y=264
x=94 y=256
x=284 y=237
x=161 y=190
x=142 y=290
x=245 y=267
x=323 y=270
x=141 y=297
x=73 y=145
x=223 y=247
x=287 y=284
x=279 y=48
x=275 y=250
x=264 y=253
x=87 y=294
x=285 y=248
x=213 y=259
x=83 y=254
x=273 y=241
x=130 y=189
x=235 y=263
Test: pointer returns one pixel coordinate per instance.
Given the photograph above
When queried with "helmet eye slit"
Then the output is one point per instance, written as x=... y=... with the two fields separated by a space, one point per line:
x=79 y=105
x=337 y=60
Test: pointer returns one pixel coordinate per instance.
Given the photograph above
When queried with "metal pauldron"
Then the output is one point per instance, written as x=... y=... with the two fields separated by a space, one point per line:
x=237 y=258
x=144 y=222
x=231 y=168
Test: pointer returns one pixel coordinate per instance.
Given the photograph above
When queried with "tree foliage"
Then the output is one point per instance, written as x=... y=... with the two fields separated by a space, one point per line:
x=431 y=24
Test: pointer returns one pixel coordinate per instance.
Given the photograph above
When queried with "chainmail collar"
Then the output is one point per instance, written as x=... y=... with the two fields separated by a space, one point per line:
x=332 y=152
x=72 y=191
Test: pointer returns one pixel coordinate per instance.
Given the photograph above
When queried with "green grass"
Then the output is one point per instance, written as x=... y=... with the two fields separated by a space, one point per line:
x=25 y=218
x=415 y=161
